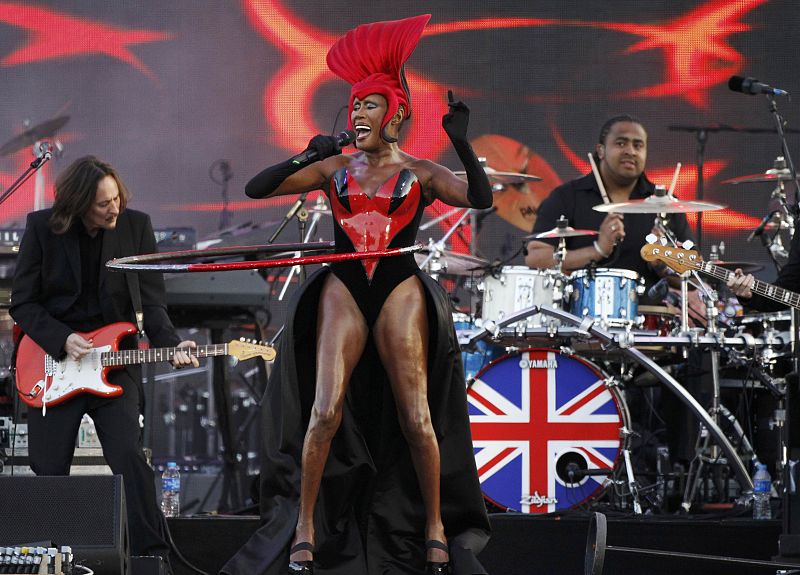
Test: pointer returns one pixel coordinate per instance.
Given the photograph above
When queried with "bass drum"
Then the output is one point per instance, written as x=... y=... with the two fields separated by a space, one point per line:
x=538 y=418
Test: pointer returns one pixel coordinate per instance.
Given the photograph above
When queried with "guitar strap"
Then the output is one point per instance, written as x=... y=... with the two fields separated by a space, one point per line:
x=132 y=279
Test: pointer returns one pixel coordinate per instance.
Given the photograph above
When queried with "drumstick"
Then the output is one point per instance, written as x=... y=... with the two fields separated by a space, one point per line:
x=674 y=180
x=598 y=180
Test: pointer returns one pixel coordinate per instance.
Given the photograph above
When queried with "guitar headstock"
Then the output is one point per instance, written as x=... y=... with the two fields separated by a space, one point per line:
x=678 y=259
x=248 y=349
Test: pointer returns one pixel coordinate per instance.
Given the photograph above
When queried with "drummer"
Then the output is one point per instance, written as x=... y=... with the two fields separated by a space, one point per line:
x=621 y=155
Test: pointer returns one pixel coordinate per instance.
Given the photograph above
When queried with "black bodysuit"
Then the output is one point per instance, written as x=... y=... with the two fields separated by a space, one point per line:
x=390 y=219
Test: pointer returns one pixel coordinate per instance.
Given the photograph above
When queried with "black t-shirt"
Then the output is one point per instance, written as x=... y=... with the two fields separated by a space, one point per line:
x=86 y=314
x=575 y=199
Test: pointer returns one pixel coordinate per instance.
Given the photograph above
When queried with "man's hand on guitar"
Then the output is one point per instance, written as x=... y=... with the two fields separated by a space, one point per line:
x=182 y=358
x=740 y=284
x=76 y=346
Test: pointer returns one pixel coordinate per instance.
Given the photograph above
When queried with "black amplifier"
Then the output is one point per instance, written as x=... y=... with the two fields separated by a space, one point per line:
x=10 y=237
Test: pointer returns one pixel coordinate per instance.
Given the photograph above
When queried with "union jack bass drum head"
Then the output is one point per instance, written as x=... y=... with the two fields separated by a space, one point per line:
x=540 y=419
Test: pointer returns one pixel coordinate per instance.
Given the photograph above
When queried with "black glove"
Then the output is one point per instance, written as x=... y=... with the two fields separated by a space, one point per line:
x=324 y=146
x=268 y=180
x=455 y=122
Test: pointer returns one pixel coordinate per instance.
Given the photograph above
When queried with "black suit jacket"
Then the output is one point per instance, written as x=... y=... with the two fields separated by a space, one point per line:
x=48 y=275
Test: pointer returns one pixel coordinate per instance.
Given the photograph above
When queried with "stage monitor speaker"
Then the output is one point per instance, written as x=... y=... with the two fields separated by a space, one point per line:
x=86 y=512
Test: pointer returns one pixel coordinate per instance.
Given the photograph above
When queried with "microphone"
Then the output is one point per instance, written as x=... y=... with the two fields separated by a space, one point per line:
x=752 y=87
x=658 y=291
x=762 y=226
x=575 y=472
x=343 y=139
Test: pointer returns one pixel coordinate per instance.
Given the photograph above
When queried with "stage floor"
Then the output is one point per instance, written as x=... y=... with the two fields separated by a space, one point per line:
x=553 y=545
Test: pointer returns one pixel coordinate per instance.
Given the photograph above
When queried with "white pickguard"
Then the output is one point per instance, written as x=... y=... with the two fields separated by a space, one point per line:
x=69 y=375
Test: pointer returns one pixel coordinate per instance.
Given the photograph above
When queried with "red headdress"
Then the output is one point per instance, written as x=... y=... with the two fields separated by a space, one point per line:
x=371 y=58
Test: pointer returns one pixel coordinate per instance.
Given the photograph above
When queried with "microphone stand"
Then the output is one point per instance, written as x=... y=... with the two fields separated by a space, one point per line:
x=321 y=207
x=34 y=167
x=289 y=215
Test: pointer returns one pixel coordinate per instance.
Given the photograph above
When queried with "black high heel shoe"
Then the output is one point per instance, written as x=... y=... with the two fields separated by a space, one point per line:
x=301 y=567
x=436 y=567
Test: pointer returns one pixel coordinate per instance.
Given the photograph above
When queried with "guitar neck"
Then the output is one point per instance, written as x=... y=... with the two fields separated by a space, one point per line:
x=773 y=292
x=137 y=356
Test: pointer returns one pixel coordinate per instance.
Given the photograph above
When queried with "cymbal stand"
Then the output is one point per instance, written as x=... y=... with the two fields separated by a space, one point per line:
x=435 y=248
x=780 y=124
x=706 y=452
x=779 y=193
x=302 y=215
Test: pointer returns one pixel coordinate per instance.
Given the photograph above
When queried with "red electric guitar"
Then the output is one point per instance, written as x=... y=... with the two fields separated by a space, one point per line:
x=42 y=381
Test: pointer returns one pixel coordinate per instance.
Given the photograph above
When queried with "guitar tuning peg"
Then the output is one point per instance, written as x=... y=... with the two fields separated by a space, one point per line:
x=663 y=241
x=651 y=238
x=687 y=245
x=241 y=339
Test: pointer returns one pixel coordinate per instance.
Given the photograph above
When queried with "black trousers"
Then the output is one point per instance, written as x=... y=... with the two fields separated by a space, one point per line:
x=51 y=446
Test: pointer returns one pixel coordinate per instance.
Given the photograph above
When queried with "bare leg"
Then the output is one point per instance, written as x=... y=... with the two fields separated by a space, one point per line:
x=341 y=337
x=401 y=337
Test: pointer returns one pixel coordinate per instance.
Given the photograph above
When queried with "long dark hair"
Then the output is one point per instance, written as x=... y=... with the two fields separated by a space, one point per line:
x=76 y=188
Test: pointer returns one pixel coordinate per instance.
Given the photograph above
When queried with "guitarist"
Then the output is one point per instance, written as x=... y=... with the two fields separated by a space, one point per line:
x=61 y=287
x=788 y=278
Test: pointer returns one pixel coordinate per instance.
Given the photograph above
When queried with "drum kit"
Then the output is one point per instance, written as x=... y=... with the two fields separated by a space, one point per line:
x=548 y=356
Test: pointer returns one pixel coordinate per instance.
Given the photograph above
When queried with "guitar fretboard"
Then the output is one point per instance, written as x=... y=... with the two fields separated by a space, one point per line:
x=765 y=289
x=135 y=356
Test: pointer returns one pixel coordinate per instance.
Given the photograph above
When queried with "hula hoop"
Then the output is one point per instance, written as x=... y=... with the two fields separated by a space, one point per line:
x=229 y=251
x=134 y=263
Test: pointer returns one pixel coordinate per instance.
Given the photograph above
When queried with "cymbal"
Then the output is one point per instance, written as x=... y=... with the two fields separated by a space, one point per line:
x=558 y=232
x=33 y=135
x=770 y=176
x=452 y=263
x=746 y=267
x=503 y=178
x=658 y=205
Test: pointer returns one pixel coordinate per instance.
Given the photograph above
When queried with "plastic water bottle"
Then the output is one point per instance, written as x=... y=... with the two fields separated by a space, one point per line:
x=171 y=490
x=762 y=486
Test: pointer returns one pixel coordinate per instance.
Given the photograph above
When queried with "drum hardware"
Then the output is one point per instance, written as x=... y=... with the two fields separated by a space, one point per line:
x=596 y=550
x=705 y=452
x=665 y=378
x=608 y=295
x=319 y=208
x=778 y=219
x=500 y=180
x=658 y=203
x=519 y=287
x=435 y=259
x=435 y=262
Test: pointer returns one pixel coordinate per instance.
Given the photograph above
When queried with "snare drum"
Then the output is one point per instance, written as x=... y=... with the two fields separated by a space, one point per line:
x=609 y=295
x=658 y=319
x=536 y=417
x=517 y=288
